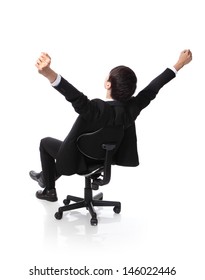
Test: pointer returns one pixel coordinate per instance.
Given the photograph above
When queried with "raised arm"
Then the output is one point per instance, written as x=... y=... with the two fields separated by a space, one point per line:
x=79 y=101
x=145 y=96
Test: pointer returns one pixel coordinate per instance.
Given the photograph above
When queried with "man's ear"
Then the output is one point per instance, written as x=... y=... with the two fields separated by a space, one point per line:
x=108 y=85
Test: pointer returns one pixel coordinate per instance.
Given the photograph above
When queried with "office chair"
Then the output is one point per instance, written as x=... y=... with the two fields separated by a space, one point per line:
x=98 y=149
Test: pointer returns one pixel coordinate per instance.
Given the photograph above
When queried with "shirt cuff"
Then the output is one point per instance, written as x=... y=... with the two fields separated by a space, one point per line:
x=57 y=81
x=173 y=69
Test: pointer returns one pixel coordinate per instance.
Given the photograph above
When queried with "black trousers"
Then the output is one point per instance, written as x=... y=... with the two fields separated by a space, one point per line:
x=49 y=148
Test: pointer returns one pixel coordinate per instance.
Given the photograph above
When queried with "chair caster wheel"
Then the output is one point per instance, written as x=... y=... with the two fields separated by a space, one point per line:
x=58 y=215
x=117 y=209
x=66 y=201
x=93 y=222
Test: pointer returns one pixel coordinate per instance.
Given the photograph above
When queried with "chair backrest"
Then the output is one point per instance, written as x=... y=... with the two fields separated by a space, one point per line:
x=94 y=144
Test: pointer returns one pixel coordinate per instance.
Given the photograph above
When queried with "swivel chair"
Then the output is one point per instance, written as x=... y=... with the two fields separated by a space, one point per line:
x=98 y=148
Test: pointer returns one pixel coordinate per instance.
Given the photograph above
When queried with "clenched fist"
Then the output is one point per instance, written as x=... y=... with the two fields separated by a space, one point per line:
x=43 y=66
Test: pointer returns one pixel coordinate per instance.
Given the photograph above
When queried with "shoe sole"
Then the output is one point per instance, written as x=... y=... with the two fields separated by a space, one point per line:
x=48 y=199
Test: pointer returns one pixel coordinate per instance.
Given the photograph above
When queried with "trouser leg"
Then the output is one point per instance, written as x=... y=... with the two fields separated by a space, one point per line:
x=49 y=148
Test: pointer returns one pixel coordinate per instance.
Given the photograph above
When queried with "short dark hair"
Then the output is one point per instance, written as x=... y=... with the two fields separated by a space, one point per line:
x=123 y=83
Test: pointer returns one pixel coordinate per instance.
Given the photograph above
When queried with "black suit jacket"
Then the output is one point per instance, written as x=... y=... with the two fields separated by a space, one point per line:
x=96 y=113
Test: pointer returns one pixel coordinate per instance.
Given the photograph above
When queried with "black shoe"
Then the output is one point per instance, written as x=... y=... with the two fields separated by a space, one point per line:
x=49 y=195
x=37 y=177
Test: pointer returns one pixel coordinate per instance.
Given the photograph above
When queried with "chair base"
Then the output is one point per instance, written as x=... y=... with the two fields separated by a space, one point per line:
x=89 y=201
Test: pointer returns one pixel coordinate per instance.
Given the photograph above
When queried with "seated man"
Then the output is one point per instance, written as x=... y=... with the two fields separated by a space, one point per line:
x=63 y=158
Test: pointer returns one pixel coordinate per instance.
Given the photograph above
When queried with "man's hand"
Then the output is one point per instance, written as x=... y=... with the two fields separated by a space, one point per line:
x=43 y=62
x=184 y=58
x=43 y=66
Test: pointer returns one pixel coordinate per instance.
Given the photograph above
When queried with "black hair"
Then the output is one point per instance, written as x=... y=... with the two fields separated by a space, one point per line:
x=123 y=83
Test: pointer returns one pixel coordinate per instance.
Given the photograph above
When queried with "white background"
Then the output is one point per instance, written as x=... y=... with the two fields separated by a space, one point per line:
x=162 y=218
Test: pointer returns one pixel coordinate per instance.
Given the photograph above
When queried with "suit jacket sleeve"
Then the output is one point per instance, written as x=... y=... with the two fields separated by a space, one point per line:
x=85 y=107
x=71 y=94
x=144 y=97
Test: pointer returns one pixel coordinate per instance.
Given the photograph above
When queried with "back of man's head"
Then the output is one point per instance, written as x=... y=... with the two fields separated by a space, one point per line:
x=123 y=83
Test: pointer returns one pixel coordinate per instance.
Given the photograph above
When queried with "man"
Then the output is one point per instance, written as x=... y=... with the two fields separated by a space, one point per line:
x=63 y=158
